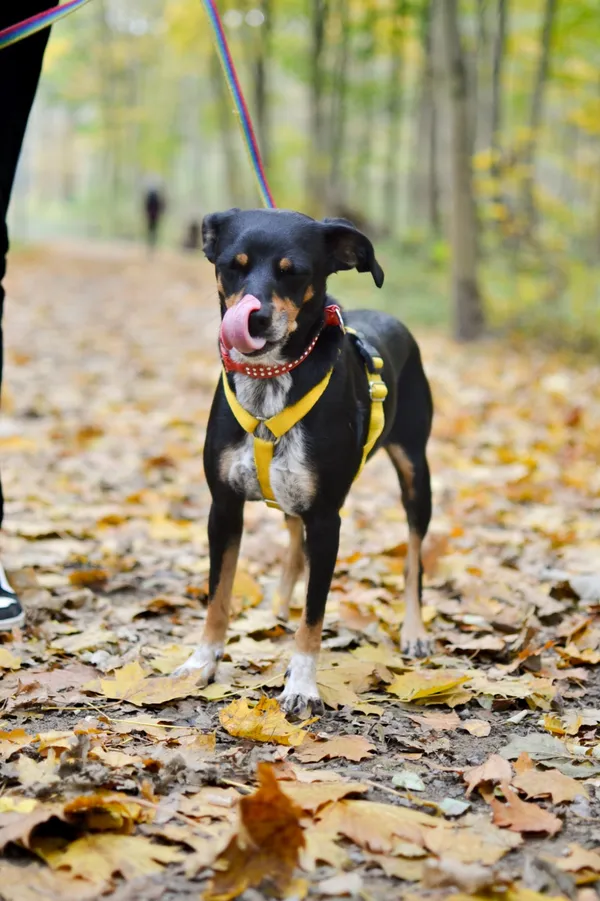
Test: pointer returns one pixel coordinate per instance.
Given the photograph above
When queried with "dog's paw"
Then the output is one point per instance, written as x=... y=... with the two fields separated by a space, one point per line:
x=300 y=696
x=301 y=706
x=204 y=662
x=415 y=643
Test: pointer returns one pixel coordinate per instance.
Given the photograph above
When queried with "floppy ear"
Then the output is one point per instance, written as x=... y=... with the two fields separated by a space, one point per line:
x=211 y=226
x=347 y=248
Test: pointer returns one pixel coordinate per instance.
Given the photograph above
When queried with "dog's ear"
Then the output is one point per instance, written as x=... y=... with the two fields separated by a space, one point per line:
x=348 y=248
x=212 y=224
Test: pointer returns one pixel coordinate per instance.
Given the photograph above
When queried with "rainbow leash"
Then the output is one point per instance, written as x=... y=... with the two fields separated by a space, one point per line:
x=241 y=108
x=36 y=23
x=44 y=19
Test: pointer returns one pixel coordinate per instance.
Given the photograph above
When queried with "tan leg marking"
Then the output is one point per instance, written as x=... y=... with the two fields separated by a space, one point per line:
x=402 y=463
x=292 y=568
x=217 y=617
x=308 y=638
x=414 y=639
x=308 y=294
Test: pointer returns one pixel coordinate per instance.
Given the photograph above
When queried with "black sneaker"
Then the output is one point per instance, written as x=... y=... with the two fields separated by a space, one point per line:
x=11 y=612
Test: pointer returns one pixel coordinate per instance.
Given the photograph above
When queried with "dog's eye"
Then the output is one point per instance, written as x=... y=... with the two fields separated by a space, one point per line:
x=285 y=267
x=239 y=262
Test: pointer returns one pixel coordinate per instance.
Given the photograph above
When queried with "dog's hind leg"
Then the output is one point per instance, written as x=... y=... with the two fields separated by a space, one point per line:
x=292 y=568
x=413 y=473
x=225 y=525
x=322 y=541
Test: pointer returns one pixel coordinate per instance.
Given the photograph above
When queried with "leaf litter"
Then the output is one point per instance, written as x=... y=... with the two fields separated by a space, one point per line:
x=442 y=776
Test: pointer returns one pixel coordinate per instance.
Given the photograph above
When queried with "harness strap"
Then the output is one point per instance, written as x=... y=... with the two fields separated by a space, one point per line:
x=282 y=422
x=278 y=425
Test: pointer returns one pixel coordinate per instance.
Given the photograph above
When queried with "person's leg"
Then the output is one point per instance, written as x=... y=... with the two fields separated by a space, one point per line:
x=20 y=67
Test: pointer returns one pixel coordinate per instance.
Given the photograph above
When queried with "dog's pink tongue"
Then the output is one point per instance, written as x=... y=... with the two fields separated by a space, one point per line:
x=235 y=326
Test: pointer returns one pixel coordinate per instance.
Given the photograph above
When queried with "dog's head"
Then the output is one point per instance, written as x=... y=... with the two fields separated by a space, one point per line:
x=272 y=268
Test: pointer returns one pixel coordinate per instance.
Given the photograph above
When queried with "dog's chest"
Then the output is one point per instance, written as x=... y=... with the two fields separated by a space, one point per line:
x=291 y=476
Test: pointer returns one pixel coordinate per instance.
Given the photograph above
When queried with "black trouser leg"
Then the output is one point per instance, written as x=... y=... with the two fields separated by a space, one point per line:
x=20 y=67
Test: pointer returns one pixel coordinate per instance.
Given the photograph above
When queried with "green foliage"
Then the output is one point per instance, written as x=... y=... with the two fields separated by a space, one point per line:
x=136 y=85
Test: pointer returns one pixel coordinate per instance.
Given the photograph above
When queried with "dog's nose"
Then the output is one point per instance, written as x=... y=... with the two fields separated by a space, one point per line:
x=259 y=321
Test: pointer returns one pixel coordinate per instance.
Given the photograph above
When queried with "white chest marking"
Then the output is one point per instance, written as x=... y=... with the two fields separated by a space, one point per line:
x=292 y=480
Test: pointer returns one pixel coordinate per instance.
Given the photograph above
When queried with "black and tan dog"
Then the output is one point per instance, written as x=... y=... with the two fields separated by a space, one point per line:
x=302 y=403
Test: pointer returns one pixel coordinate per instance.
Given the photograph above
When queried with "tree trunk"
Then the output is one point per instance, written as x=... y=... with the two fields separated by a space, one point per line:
x=261 y=80
x=394 y=109
x=365 y=143
x=537 y=110
x=426 y=183
x=339 y=110
x=499 y=52
x=232 y=169
x=468 y=308
x=315 y=175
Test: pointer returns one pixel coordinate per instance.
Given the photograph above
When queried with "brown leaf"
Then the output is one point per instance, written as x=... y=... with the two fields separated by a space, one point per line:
x=36 y=882
x=523 y=816
x=549 y=783
x=350 y=747
x=312 y=796
x=495 y=769
x=131 y=684
x=579 y=859
x=376 y=826
x=267 y=845
x=19 y=827
x=523 y=763
x=425 y=684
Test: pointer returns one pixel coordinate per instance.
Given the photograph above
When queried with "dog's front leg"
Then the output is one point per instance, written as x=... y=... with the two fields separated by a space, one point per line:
x=225 y=525
x=322 y=541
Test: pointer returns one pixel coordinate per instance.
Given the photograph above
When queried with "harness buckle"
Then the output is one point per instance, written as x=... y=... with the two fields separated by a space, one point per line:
x=378 y=391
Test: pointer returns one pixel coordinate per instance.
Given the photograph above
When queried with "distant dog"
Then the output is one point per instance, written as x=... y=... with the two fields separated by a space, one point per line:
x=303 y=401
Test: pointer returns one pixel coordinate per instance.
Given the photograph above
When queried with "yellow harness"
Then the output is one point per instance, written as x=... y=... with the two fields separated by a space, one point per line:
x=289 y=417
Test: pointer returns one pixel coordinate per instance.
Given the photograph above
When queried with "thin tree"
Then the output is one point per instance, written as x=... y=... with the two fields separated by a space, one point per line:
x=261 y=86
x=394 y=110
x=339 y=108
x=315 y=176
x=537 y=109
x=467 y=303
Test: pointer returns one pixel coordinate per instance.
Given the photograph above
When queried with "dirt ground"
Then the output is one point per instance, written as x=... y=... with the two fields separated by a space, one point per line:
x=121 y=781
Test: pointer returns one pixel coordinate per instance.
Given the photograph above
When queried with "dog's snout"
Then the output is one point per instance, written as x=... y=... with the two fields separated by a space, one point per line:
x=259 y=321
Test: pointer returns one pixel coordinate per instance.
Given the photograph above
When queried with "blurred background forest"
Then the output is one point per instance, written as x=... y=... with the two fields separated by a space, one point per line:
x=463 y=137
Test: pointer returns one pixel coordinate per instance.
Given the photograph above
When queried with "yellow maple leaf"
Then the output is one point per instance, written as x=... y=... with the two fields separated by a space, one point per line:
x=8 y=660
x=97 y=857
x=31 y=772
x=425 y=683
x=132 y=684
x=264 y=722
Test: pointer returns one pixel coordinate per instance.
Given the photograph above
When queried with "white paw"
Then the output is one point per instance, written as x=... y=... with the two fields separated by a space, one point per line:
x=301 y=695
x=204 y=661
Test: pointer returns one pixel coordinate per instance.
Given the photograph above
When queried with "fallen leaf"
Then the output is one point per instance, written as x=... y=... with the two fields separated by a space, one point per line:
x=131 y=684
x=408 y=779
x=98 y=857
x=115 y=759
x=267 y=845
x=8 y=660
x=425 y=684
x=18 y=826
x=342 y=884
x=43 y=772
x=523 y=816
x=375 y=826
x=36 y=881
x=579 y=859
x=549 y=783
x=312 y=796
x=452 y=807
x=468 y=877
x=495 y=769
x=476 y=841
x=478 y=728
x=264 y=722
x=350 y=747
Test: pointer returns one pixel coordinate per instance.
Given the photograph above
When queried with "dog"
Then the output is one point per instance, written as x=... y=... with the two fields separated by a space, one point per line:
x=348 y=386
